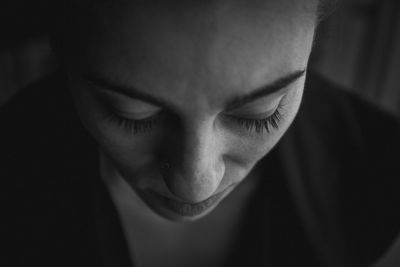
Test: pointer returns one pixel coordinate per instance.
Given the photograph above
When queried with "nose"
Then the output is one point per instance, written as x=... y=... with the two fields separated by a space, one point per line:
x=197 y=165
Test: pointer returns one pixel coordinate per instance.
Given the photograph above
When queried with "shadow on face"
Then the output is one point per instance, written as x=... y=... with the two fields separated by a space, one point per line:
x=206 y=89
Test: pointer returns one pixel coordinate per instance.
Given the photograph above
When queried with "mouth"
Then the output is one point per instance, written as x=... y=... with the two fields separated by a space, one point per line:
x=175 y=209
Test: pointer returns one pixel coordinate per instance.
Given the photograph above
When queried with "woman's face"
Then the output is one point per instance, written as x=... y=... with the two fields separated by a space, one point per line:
x=184 y=99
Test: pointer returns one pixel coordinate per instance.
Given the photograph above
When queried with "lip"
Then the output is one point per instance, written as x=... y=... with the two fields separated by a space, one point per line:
x=166 y=206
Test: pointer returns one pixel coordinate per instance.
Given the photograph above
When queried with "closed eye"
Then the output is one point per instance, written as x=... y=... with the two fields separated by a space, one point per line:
x=259 y=123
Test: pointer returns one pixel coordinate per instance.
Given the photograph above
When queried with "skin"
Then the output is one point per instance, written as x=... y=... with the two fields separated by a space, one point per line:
x=193 y=58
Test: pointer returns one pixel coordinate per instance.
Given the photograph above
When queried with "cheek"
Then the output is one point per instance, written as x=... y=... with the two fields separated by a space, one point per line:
x=247 y=150
x=244 y=153
x=130 y=154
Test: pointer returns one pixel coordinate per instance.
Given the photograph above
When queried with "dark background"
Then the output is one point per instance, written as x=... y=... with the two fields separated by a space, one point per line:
x=357 y=46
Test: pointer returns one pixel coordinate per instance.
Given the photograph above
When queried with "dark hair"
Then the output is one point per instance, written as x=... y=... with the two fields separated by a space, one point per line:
x=326 y=8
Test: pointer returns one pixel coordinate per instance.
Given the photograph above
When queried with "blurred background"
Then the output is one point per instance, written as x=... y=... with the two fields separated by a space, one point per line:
x=358 y=47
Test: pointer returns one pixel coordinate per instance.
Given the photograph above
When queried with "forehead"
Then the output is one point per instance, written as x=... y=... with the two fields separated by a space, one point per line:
x=213 y=44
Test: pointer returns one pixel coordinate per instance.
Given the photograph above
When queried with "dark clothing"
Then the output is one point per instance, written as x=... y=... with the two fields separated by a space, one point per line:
x=328 y=197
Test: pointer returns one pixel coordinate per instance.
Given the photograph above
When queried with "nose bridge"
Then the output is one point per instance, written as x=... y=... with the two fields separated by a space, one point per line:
x=198 y=151
x=199 y=167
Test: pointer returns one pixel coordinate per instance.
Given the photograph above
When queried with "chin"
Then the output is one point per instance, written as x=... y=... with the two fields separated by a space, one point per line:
x=180 y=218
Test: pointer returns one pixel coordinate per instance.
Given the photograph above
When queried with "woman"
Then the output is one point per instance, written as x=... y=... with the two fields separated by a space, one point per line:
x=178 y=163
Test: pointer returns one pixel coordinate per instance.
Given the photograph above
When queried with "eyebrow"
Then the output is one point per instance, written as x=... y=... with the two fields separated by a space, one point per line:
x=265 y=90
x=236 y=102
x=128 y=91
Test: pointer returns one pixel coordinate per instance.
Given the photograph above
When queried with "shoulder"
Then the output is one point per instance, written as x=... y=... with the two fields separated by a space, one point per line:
x=348 y=127
x=345 y=154
x=41 y=137
x=40 y=126
x=353 y=131
x=326 y=100
x=45 y=183
x=33 y=128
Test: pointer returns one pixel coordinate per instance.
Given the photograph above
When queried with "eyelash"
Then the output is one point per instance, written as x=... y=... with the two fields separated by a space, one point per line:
x=145 y=125
x=132 y=126
x=259 y=125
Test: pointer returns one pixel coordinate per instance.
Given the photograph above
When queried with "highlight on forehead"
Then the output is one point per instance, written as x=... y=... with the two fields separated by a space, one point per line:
x=78 y=11
x=79 y=5
x=83 y=18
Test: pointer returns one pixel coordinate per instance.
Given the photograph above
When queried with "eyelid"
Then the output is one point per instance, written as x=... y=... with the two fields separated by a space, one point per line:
x=135 y=114
x=129 y=107
x=256 y=109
